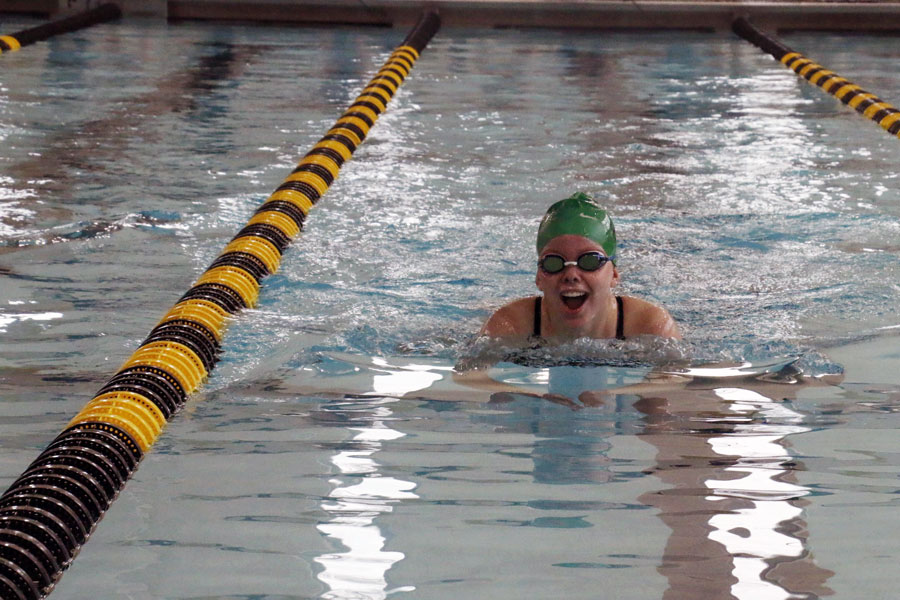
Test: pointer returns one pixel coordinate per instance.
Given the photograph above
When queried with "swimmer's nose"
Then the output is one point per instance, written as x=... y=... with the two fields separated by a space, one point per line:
x=571 y=273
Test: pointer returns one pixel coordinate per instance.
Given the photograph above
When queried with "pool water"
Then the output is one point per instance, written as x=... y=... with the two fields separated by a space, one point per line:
x=332 y=454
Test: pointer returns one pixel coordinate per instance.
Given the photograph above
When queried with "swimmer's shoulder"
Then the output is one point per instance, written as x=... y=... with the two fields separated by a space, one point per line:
x=514 y=321
x=645 y=318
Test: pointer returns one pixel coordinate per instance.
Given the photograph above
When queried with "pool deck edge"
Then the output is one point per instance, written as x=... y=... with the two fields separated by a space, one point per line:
x=580 y=14
x=879 y=16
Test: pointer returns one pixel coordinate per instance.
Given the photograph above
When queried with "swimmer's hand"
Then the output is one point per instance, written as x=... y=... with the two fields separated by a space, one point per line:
x=590 y=398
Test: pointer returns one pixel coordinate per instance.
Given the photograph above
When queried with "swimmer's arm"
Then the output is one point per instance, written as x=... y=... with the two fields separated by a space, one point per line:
x=654 y=320
x=667 y=327
x=480 y=380
x=655 y=383
x=512 y=322
x=499 y=325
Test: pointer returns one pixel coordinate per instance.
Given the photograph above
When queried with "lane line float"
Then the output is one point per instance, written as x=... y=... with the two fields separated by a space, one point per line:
x=53 y=507
x=867 y=104
x=93 y=16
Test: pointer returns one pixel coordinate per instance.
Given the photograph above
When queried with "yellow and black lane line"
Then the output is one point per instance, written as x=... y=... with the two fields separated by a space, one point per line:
x=52 y=508
x=9 y=43
x=867 y=104
x=100 y=14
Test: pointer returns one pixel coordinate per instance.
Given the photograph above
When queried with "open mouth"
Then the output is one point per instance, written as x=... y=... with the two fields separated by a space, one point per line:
x=574 y=300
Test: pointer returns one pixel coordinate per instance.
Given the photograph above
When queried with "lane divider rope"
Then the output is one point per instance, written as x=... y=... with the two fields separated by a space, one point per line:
x=868 y=105
x=53 y=507
x=100 y=14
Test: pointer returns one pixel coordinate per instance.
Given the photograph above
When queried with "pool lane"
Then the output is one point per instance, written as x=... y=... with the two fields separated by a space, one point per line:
x=53 y=507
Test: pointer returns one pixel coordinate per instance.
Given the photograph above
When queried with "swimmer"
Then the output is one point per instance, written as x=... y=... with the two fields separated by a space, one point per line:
x=576 y=271
x=576 y=246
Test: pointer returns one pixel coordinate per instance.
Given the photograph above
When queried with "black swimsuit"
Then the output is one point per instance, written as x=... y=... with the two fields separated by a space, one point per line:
x=620 y=318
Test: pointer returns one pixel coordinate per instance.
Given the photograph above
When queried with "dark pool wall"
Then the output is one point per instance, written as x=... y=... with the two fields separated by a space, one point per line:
x=831 y=15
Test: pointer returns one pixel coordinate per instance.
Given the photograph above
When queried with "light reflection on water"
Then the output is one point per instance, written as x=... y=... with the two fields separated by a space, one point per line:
x=738 y=512
x=759 y=211
x=355 y=504
x=763 y=534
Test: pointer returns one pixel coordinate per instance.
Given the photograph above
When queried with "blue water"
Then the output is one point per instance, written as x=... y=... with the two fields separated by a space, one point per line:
x=331 y=454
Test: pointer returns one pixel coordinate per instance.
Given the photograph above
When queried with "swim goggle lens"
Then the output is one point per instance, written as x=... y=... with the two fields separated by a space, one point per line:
x=589 y=261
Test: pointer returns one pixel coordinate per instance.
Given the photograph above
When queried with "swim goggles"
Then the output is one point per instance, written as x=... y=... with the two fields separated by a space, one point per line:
x=589 y=261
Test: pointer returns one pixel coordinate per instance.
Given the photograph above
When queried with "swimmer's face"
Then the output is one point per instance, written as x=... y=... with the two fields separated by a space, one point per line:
x=575 y=297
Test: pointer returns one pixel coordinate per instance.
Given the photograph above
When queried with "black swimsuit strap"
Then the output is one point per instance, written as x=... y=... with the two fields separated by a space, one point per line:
x=537 y=317
x=620 y=319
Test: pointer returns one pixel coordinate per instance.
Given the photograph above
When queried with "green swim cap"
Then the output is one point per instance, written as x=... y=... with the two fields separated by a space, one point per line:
x=578 y=215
